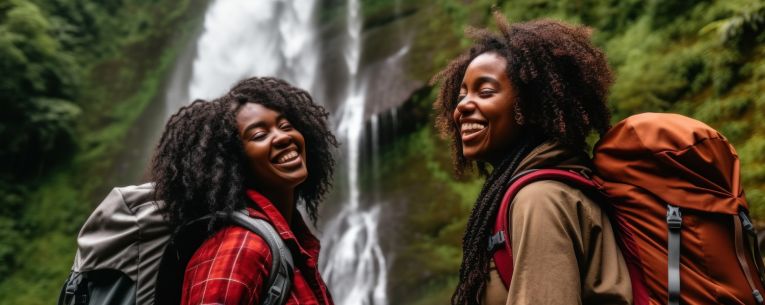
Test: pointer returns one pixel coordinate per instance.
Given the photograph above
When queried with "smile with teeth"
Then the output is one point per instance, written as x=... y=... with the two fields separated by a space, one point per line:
x=468 y=128
x=287 y=157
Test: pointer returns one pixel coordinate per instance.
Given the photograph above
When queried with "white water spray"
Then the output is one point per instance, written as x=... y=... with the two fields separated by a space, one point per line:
x=244 y=38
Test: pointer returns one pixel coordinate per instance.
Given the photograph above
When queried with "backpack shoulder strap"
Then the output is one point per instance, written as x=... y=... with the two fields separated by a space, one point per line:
x=499 y=242
x=280 y=277
x=178 y=253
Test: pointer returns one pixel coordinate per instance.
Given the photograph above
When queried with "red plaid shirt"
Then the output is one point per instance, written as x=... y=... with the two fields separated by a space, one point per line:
x=231 y=267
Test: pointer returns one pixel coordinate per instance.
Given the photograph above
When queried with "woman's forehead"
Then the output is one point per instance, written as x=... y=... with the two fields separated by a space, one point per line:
x=251 y=112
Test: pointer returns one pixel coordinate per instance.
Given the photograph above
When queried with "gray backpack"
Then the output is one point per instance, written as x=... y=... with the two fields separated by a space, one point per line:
x=125 y=254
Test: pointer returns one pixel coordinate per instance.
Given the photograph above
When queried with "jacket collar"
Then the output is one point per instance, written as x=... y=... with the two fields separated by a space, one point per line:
x=552 y=154
x=298 y=233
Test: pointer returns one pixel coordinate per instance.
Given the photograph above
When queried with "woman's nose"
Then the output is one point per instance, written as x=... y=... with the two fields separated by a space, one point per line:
x=282 y=139
x=465 y=106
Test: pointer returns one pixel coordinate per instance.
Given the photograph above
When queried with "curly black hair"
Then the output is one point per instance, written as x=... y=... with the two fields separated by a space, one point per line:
x=562 y=83
x=199 y=166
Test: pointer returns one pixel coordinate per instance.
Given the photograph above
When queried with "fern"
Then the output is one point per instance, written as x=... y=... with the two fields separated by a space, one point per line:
x=746 y=17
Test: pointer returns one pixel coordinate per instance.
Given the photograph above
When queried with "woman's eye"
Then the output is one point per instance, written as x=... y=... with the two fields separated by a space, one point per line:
x=260 y=135
x=486 y=92
x=285 y=126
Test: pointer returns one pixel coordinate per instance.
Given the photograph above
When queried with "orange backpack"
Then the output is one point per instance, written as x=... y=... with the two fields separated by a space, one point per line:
x=672 y=186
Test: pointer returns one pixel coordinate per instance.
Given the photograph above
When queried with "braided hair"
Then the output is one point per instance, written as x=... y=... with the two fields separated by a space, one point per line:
x=199 y=165
x=562 y=83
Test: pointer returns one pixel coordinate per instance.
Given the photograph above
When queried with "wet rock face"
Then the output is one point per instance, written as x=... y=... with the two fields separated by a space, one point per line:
x=333 y=70
x=387 y=48
x=402 y=48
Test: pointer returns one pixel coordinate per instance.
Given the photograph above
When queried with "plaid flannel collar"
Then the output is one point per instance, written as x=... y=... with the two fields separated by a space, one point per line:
x=298 y=233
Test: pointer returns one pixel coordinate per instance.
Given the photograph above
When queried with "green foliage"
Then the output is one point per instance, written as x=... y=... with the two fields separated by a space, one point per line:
x=756 y=195
x=44 y=270
x=12 y=198
x=43 y=135
x=38 y=118
x=747 y=17
x=97 y=29
x=83 y=71
x=46 y=223
x=753 y=154
x=27 y=48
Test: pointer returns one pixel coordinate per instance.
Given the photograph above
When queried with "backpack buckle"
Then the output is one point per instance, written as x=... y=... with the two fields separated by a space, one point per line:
x=746 y=222
x=273 y=294
x=674 y=217
x=76 y=289
x=496 y=240
x=758 y=296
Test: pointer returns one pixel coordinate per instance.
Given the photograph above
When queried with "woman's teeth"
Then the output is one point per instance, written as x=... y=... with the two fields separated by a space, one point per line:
x=471 y=127
x=288 y=157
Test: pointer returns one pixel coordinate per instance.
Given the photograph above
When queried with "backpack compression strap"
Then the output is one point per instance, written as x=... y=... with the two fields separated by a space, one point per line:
x=280 y=277
x=674 y=224
x=741 y=222
x=500 y=245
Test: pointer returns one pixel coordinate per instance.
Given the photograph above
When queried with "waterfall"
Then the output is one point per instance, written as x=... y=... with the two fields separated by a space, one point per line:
x=352 y=261
x=243 y=38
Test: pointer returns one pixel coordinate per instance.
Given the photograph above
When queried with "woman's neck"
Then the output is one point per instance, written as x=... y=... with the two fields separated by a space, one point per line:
x=284 y=201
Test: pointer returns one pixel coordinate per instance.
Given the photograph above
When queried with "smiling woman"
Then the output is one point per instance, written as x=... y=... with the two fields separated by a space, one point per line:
x=525 y=99
x=275 y=153
x=265 y=147
x=486 y=97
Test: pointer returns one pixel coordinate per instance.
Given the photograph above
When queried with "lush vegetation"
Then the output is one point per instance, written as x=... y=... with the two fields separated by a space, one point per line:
x=705 y=59
x=77 y=75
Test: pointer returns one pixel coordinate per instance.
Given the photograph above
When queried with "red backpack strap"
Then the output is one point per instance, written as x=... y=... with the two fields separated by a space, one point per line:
x=499 y=242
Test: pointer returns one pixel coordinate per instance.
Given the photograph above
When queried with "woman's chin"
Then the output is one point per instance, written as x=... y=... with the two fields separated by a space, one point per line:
x=295 y=178
x=473 y=155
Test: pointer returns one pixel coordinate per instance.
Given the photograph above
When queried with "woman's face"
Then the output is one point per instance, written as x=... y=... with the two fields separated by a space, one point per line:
x=484 y=115
x=274 y=149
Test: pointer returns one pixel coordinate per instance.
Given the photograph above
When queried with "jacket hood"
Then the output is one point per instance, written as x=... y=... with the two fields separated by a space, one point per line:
x=680 y=160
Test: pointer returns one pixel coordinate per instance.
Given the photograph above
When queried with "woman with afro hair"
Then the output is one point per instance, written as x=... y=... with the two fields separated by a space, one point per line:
x=527 y=98
x=264 y=146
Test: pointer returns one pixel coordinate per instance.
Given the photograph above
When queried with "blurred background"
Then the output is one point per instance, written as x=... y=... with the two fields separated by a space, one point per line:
x=86 y=88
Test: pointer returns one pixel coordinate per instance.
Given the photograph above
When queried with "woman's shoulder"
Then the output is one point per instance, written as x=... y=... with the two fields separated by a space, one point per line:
x=233 y=242
x=230 y=267
x=553 y=197
x=550 y=189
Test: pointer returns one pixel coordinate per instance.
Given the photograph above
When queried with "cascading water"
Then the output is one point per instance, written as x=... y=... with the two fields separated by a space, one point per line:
x=243 y=38
x=352 y=261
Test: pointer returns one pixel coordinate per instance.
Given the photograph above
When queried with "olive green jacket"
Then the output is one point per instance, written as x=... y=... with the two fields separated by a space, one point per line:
x=564 y=249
